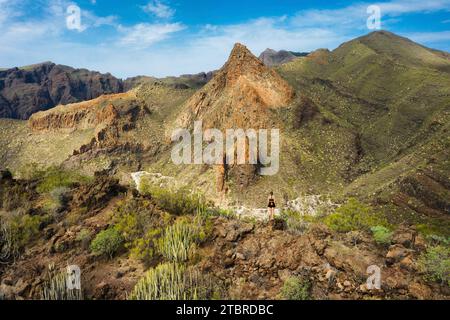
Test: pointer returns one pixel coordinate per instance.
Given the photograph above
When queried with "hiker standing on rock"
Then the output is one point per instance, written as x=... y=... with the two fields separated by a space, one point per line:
x=271 y=206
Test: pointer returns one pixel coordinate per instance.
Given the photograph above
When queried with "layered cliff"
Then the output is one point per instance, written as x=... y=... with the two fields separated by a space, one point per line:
x=24 y=91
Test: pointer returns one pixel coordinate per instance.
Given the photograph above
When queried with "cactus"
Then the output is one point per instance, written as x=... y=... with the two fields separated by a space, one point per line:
x=178 y=242
x=55 y=288
x=171 y=281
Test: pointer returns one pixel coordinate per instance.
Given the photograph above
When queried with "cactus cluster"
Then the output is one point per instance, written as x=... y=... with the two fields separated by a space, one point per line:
x=178 y=241
x=55 y=288
x=171 y=281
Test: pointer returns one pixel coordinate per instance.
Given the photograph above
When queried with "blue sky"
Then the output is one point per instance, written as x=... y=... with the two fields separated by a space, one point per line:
x=172 y=37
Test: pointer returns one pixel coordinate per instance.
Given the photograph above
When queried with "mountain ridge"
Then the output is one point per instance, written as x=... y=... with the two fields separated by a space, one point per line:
x=363 y=180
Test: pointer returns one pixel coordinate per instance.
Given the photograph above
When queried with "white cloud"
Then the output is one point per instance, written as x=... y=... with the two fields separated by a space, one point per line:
x=159 y=9
x=355 y=16
x=398 y=7
x=144 y=35
x=261 y=33
x=89 y=19
x=124 y=51
x=9 y=10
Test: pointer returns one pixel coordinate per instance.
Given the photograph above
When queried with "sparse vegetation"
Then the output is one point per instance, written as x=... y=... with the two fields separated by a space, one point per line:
x=139 y=226
x=53 y=178
x=55 y=287
x=435 y=263
x=355 y=215
x=15 y=197
x=382 y=235
x=180 y=202
x=107 y=242
x=178 y=241
x=16 y=232
x=296 y=222
x=295 y=288
x=172 y=281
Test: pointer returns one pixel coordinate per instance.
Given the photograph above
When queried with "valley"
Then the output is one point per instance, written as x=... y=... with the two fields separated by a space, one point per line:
x=363 y=180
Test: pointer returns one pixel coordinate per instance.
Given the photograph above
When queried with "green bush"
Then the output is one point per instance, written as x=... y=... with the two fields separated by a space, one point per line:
x=295 y=288
x=54 y=178
x=355 y=215
x=16 y=232
x=172 y=281
x=435 y=263
x=295 y=221
x=219 y=212
x=15 y=197
x=179 y=202
x=107 y=242
x=381 y=235
x=139 y=227
x=56 y=200
x=144 y=248
x=84 y=237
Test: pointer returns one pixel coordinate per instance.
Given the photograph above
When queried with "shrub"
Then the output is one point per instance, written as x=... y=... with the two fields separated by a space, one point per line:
x=54 y=178
x=435 y=263
x=219 y=212
x=381 y=235
x=295 y=221
x=355 y=215
x=127 y=225
x=179 y=202
x=139 y=227
x=56 y=200
x=172 y=281
x=84 y=237
x=295 y=288
x=107 y=242
x=144 y=248
x=178 y=241
x=16 y=232
x=14 y=197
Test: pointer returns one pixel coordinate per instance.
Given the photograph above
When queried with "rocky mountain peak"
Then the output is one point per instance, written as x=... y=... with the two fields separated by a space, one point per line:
x=238 y=94
x=240 y=62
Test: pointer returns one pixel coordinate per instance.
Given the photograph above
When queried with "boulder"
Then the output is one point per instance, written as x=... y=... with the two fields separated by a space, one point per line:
x=396 y=253
x=404 y=236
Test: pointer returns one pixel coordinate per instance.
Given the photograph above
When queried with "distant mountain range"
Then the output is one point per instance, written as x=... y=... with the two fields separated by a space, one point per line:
x=357 y=114
x=272 y=58
x=26 y=90
x=29 y=89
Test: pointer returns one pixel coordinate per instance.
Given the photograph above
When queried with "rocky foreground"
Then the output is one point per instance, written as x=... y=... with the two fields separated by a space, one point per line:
x=244 y=259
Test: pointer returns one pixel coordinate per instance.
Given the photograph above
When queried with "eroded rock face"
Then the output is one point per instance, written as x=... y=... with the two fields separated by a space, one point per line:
x=239 y=96
x=97 y=194
x=40 y=87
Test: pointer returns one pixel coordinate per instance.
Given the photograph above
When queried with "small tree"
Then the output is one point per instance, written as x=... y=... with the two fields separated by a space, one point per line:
x=295 y=288
x=107 y=242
